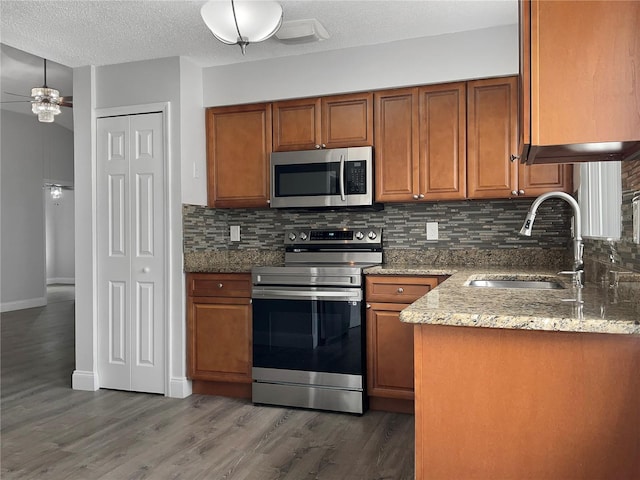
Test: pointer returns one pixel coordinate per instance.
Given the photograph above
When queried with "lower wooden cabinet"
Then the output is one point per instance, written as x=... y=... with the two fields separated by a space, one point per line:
x=389 y=341
x=219 y=333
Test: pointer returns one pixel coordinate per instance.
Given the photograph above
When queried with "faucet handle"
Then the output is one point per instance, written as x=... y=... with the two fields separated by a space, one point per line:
x=576 y=276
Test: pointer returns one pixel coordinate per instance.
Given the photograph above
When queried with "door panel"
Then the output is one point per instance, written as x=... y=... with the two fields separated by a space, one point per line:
x=130 y=258
x=117 y=323
x=396 y=135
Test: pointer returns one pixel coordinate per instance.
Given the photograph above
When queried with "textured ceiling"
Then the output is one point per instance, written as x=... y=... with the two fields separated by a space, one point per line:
x=75 y=33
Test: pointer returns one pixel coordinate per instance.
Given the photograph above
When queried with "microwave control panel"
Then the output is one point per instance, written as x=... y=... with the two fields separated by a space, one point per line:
x=356 y=173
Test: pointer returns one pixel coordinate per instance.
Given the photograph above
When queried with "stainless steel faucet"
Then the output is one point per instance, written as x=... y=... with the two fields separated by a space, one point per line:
x=578 y=246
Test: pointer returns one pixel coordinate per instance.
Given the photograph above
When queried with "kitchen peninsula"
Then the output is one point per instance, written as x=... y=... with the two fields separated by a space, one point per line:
x=521 y=383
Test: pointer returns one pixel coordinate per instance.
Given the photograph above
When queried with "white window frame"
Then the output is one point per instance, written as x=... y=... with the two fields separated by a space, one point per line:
x=600 y=199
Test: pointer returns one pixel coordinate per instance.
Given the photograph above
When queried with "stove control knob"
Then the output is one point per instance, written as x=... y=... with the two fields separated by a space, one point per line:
x=303 y=236
x=292 y=236
x=359 y=235
x=372 y=235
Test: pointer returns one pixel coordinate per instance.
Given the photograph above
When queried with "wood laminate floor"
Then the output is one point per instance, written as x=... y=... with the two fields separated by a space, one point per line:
x=50 y=431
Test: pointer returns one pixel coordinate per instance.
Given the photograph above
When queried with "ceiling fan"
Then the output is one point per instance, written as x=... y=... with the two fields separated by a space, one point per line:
x=45 y=101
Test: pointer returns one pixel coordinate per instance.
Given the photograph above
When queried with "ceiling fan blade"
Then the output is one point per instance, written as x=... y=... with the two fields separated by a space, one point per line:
x=17 y=94
x=17 y=101
x=66 y=102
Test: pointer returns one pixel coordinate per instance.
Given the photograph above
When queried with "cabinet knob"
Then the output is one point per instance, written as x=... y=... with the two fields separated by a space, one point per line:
x=219 y=285
x=317 y=146
x=146 y=270
x=415 y=197
x=515 y=157
x=368 y=305
x=520 y=192
x=324 y=145
x=421 y=195
x=514 y=193
x=400 y=290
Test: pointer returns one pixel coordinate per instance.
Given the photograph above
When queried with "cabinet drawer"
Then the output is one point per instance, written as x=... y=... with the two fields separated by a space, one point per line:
x=396 y=289
x=219 y=285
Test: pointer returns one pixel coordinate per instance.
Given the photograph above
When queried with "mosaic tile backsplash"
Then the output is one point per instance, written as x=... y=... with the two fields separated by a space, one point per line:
x=470 y=224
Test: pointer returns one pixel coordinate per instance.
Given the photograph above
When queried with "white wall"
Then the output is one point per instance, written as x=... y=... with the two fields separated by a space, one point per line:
x=59 y=236
x=192 y=136
x=477 y=54
x=31 y=152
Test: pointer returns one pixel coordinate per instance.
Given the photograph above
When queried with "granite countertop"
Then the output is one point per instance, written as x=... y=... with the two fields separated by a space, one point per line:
x=453 y=302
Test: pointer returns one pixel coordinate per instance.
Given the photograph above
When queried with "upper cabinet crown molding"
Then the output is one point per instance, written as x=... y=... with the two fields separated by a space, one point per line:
x=325 y=122
x=580 y=80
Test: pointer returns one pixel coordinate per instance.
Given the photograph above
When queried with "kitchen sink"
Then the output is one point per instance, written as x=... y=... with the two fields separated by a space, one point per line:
x=517 y=283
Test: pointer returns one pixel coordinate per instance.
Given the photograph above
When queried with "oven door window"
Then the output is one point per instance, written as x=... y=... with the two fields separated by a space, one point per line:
x=310 y=335
x=309 y=179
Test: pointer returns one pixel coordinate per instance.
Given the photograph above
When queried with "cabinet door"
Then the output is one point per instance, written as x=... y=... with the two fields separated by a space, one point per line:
x=491 y=137
x=396 y=150
x=534 y=180
x=220 y=341
x=389 y=352
x=238 y=148
x=584 y=88
x=296 y=124
x=443 y=142
x=347 y=120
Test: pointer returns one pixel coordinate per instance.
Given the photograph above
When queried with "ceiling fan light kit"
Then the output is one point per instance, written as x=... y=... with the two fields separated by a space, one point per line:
x=241 y=22
x=45 y=103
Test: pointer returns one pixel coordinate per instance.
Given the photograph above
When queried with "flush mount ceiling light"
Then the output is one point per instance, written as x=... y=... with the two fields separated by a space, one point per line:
x=241 y=22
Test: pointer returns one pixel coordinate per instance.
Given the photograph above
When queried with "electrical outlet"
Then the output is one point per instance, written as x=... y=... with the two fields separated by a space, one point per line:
x=234 y=231
x=432 y=230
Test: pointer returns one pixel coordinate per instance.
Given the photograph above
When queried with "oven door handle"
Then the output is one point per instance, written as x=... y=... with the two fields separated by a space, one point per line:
x=342 y=196
x=354 y=295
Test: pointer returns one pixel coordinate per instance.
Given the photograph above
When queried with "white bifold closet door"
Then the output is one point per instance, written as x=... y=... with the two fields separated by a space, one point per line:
x=131 y=256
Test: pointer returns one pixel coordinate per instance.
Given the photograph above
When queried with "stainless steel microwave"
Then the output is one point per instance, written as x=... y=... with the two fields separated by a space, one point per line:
x=332 y=177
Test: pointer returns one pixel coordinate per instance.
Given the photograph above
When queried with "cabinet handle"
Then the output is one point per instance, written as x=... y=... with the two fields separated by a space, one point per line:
x=520 y=192
x=421 y=195
x=219 y=285
x=415 y=197
x=324 y=146
x=514 y=193
x=400 y=290
x=317 y=146
x=514 y=158
x=368 y=305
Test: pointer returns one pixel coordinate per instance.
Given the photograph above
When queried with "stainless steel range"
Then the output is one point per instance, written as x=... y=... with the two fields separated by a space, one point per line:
x=308 y=321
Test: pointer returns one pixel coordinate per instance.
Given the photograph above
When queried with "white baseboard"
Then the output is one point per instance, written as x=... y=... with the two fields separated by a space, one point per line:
x=22 y=304
x=62 y=280
x=179 y=387
x=83 y=380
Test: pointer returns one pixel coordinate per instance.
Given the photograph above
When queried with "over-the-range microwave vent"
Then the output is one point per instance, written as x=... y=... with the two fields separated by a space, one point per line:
x=581 y=152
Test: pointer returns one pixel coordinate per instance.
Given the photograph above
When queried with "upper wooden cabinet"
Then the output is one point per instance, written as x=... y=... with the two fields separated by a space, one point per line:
x=420 y=143
x=580 y=75
x=326 y=122
x=491 y=146
x=238 y=148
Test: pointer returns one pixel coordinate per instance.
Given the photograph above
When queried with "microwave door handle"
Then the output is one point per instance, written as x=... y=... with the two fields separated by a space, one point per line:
x=342 y=197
